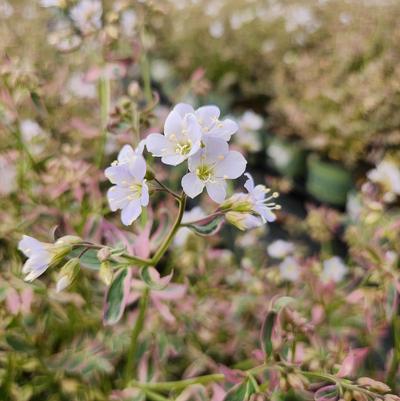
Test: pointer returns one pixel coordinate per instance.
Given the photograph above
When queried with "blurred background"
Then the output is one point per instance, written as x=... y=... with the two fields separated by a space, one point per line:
x=315 y=88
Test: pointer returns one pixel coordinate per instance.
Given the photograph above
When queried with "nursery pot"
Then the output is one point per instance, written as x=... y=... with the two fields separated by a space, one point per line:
x=328 y=181
x=288 y=158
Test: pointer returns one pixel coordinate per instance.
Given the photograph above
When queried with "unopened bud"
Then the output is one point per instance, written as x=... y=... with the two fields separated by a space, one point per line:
x=237 y=219
x=359 y=396
x=295 y=381
x=391 y=397
x=373 y=384
x=103 y=254
x=106 y=273
x=348 y=396
x=68 y=274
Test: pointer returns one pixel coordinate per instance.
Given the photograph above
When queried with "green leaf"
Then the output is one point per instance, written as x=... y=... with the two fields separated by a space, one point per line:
x=241 y=392
x=270 y=321
x=116 y=297
x=18 y=343
x=88 y=259
x=209 y=226
x=266 y=332
x=152 y=278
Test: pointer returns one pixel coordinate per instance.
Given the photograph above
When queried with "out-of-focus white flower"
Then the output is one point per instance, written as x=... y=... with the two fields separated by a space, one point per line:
x=279 y=154
x=300 y=17
x=128 y=22
x=33 y=135
x=247 y=135
x=280 y=249
x=289 y=269
x=130 y=192
x=8 y=175
x=208 y=118
x=52 y=3
x=160 y=70
x=387 y=174
x=42 y=255
x=183 y=233
x=210 y=167
x=181 y=139
x=80 y=87
x=87 y=15
x=216 y=29
x=333 y=270
x=6 y=9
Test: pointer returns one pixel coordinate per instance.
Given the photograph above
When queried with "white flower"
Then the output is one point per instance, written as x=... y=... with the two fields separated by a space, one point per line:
x=87 y=15
x=216 y=29
x=6 y=9
x=33 y=135
x=51 y=3
x=128 y=22
x=247 y=136
x=333 y=270
x=289 y=269
x=80 y=87
x=181 y=139
x=8 y=175
x=262 y=206
x=42 y=255
x=130 y=192
x=387 y=174
x=208 y=118
x=210 y=167
x=280 y=249
x=279 y=154
x=183 y=233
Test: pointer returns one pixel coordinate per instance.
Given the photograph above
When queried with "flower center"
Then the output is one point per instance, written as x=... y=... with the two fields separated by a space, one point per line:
x=136 y=191
x=183 y=148
x=205 y=173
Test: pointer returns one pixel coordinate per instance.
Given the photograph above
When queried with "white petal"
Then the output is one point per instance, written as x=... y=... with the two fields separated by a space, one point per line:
x=215 y=149
x=131 y=212
x=193 y=129
x=224 y=130
x=192 y=185
x=217 y=191
x=29 y=245
x=156 y=144
x=119 y=174
x=183 y=109
x=118 y=197
x=137 y=167
x=173 y=160
x=195 y=160
x=34 y=274
x=144 y=199
x=207 y=115
x=173 y=124
x=232 y=166
x=126 y=154
x=249 y=184
x=36 y=261
x=266 y=213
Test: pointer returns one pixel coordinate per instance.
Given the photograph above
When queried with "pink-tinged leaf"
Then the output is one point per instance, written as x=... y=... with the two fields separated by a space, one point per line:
x=173 y=292
x=13 y=301
x=218 y=393
x=210 y=225
x=231 y=375
x=116 y=297
x=352 y=362
x=153 y=279
x=128 y=394
x=26 y=300
x=142 y=243
x=327 y=393
x=164 y=311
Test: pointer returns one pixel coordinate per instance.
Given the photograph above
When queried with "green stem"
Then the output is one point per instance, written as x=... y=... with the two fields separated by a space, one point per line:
x=137 y=329
x=130 y=370
x=145 y=70
x=394 y=366
x=154 y=396
x=178 y=385
x=168 y=239
x=104 y=96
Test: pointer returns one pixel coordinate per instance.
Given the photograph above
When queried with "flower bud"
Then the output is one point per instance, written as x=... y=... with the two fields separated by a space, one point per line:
x=68 y=274
x=295 y=382
x=391 y=397
x=359 y=396
x=106 y=273
x=237 y=219
x=373 y=384
x=103 y=254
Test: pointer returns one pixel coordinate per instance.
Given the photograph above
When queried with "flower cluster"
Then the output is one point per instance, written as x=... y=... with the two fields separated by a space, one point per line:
x=201 y=138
